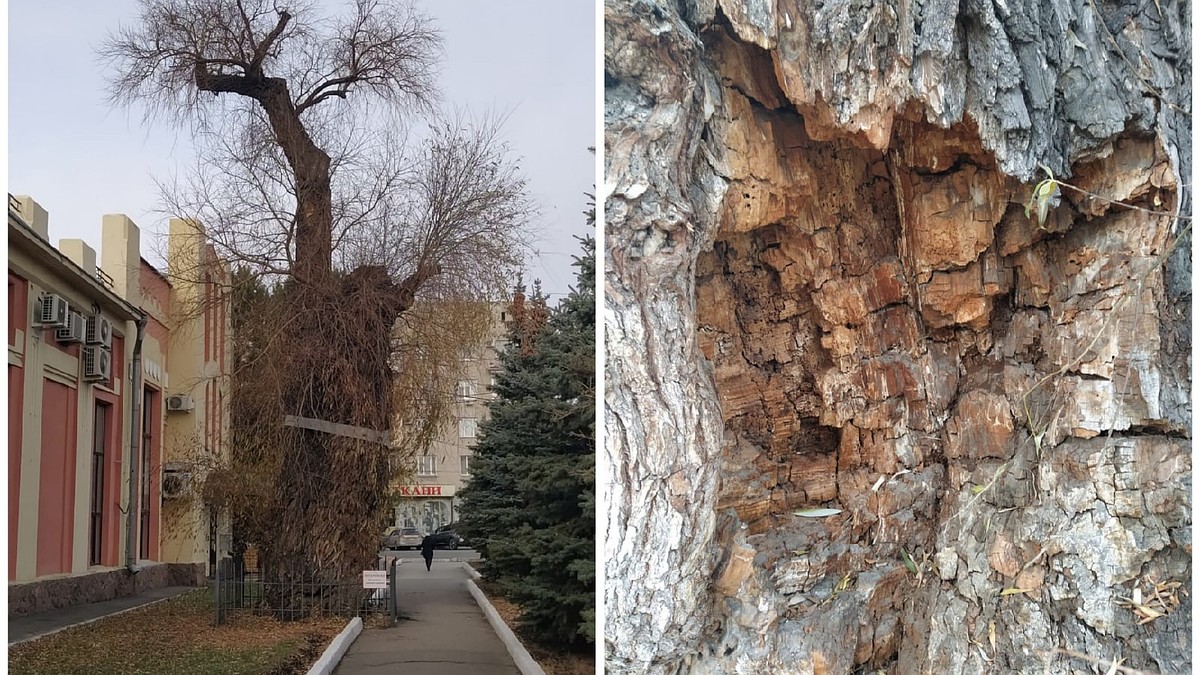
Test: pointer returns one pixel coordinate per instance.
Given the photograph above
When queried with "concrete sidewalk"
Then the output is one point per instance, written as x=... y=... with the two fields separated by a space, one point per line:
x=24 y=628
x=445 y=631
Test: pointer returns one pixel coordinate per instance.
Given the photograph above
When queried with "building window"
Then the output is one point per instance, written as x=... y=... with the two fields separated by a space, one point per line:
x=96 y=522
x=467 y=390
x=466 y=427
x=464 y=464
x=426 y=465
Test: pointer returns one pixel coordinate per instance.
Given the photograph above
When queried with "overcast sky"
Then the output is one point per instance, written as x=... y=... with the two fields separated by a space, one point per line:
x=533 y=59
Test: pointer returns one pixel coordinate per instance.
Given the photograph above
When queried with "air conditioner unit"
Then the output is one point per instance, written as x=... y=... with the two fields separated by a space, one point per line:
x=75 y=329
x=97 y=363
x=175 y=480
x=52 y=311
x=99 y=331
x=180 y=403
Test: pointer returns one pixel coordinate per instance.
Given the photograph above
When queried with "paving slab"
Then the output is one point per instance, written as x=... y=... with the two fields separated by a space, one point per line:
x=25 y=628
x=444 y=632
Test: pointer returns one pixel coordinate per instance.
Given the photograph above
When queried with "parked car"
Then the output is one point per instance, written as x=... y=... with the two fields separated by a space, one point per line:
x=446 y=537
x=400 y=538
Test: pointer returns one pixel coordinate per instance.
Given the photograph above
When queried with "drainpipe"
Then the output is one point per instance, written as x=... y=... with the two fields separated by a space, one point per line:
x=135 y=434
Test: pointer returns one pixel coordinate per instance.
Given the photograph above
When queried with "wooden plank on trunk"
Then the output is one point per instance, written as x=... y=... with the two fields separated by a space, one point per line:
x=336 y=429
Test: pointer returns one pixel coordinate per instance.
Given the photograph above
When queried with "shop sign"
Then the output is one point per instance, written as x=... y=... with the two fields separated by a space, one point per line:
x=426 y=490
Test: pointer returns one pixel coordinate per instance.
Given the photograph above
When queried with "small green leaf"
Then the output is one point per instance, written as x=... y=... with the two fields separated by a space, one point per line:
x=1045 y=188
x=976 y=489
x=1045 y=196
x=817 y=513
x=908 y=561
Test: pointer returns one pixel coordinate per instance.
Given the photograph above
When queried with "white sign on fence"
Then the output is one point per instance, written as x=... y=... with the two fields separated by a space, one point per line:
x=375 y=579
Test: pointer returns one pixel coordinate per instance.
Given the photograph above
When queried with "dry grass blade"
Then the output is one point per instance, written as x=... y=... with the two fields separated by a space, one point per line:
x=817 y=513
x=1163 y=599
x=1113 y=666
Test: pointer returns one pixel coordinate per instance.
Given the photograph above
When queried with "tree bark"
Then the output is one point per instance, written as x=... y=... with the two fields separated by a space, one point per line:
x=829 y=250
x=662 y=419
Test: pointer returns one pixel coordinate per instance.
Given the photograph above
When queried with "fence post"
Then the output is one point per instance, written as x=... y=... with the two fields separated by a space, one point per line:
x=217 y=592
x=393 y=610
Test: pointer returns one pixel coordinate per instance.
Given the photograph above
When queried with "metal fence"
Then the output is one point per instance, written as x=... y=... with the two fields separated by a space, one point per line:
x=238 y=588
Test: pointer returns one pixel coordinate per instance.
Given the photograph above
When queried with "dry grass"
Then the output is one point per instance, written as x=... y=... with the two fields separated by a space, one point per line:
x=553 y=662
x=177 y=636
x=1161 y=599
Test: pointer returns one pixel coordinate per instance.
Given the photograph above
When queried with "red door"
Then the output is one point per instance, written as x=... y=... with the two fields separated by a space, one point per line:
x=56 y=495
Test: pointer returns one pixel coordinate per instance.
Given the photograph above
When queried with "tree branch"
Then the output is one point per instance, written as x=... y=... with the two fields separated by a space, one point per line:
x=319 y=93
x=220 y=83
x=260 y=52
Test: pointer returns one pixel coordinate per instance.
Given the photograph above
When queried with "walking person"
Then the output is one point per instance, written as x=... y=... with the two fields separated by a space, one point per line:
x=427 y=551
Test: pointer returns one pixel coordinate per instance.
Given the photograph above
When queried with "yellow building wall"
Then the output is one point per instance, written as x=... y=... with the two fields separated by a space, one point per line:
x=199 y=437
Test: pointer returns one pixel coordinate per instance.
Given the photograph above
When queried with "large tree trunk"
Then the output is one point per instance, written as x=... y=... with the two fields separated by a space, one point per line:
x=310 y=165
x=823 y=290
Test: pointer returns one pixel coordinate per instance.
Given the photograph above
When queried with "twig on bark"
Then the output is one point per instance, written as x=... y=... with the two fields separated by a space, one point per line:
x=1113 y=666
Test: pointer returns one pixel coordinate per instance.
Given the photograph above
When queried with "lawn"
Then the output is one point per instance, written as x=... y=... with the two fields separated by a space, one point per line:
x=177 y=636
x=554 y=662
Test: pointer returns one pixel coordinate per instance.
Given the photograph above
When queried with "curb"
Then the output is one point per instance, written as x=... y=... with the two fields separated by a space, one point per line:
x=85 y=622
x=337 y=648
x=471 y=571
x=516 y=650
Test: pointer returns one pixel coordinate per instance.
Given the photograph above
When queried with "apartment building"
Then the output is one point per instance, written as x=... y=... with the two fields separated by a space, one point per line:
x=96 y=493
x=429 y=499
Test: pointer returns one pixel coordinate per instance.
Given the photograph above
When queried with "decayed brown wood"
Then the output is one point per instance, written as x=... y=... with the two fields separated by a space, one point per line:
x=991 y=403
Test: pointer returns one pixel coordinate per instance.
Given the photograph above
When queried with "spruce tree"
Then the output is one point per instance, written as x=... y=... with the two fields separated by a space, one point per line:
x=490 y=507
x=530 y=505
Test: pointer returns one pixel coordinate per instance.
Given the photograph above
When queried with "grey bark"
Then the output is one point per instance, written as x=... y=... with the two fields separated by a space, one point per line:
x=661 y=416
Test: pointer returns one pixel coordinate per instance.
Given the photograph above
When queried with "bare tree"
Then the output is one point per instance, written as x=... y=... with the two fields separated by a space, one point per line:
x=305 y=171
x=286 y=63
